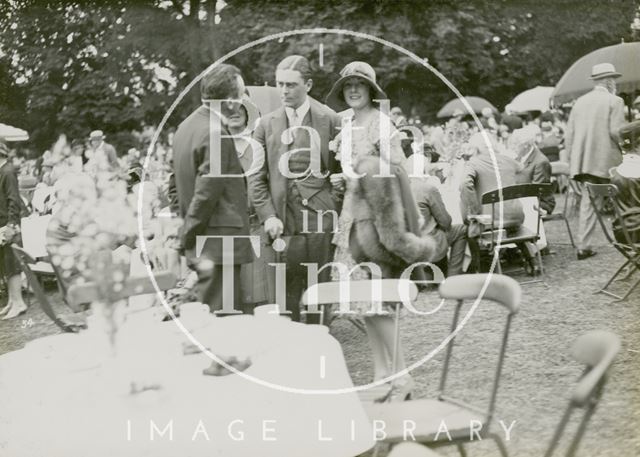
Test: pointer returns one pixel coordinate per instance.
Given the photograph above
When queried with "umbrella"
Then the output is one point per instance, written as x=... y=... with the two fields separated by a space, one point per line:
x=476 y=103
x=8 y=133
x=575 y=82
x=536 y=99
x=266 y=98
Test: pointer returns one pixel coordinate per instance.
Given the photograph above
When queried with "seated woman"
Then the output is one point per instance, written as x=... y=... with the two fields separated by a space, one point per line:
x=626 y=177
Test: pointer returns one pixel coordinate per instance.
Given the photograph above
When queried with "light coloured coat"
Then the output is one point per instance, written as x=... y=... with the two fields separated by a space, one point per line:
x=591 y=138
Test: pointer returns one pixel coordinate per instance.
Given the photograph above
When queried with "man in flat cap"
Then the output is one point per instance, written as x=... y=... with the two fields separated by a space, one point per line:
x=591 y=141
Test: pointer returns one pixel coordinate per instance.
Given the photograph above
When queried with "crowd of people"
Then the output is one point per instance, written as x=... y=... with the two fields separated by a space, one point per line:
x=341 y=185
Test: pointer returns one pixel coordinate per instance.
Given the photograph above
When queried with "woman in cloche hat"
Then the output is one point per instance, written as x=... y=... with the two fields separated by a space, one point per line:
x=358 y=92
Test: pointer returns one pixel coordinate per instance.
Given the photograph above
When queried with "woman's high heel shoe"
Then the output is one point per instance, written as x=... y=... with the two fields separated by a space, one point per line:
x=6 y=309
x=15 y=311
x=403 y=389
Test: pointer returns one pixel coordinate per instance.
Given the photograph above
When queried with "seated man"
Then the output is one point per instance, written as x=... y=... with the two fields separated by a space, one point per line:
x=536 y=168
x=437 y=223
x=480 y=176
x=626 y=177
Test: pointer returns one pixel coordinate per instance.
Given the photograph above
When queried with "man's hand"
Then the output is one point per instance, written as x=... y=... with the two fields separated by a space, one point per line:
x=274 y=227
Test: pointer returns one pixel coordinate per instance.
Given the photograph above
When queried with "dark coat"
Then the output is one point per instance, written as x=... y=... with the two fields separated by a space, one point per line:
x=214 y=206
x=10 y=202
x=537 y=170
x=268 y=186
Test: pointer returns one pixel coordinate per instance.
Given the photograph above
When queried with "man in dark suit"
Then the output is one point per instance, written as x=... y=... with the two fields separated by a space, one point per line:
x=536 y=168
x=213 y=203
x=292 y=192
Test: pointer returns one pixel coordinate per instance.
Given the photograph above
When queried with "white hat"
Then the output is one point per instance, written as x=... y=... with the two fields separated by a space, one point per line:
x=96 y=135
x=604 y=70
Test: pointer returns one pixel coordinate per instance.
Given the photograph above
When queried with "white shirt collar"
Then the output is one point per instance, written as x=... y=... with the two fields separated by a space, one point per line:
x=601 y=88
x=301 y=111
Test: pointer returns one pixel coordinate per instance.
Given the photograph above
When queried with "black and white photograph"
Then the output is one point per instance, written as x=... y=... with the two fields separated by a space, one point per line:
x=319 y=228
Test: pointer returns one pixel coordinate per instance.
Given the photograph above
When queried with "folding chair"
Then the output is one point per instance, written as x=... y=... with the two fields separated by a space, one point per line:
x=25 y=261
x=560 y=170
x=137 y=285
x=427 y=414
x=523 y=234
x=393 y=291
x=597 y=350
x=630 y=250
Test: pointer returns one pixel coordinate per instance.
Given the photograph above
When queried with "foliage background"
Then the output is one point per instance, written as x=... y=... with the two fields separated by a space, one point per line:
x=72 y=66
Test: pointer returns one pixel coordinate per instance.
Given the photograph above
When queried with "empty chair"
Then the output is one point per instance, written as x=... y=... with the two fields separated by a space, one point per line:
x=427 y=414
x=623 y=242
x=522 y=235
x=597 y=351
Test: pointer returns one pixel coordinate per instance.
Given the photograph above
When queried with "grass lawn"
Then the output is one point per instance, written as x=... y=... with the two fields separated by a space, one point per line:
x=538 y=372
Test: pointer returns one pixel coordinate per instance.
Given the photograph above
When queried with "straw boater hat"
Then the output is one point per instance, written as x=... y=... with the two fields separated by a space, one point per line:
x=356 y=69
x=604 y=70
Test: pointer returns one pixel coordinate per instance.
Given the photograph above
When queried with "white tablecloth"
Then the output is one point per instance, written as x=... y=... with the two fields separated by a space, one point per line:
x=58 y=399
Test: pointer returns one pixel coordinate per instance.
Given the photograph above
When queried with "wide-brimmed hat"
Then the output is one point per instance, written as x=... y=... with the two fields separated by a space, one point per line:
x=630 y=167
x=96 y=135
x=604 y=70
x=357 y=69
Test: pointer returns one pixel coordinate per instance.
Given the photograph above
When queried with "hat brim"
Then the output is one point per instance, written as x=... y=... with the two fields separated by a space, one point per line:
x=335 y=99
x=609 y=74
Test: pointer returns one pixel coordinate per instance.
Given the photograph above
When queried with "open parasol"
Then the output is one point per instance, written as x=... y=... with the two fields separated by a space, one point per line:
x=575 y=82
x=536 y=99
x=9 y=133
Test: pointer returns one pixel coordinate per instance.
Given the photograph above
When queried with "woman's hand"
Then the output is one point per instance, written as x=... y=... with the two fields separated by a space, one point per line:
x=337 y=181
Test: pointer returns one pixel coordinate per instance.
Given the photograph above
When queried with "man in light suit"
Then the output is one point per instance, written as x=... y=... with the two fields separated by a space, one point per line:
x=213 y=205
x=591 y=141
x=292 y=186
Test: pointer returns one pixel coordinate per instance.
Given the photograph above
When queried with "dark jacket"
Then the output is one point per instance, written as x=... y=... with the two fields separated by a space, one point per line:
x=10 y=202
x=214 y=206
x=537 y=170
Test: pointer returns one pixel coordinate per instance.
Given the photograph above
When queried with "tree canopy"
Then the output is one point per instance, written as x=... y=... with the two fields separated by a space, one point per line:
x=77 y=65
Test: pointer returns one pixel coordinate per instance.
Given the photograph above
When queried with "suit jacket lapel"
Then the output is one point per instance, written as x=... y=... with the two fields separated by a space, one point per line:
x=278 y=125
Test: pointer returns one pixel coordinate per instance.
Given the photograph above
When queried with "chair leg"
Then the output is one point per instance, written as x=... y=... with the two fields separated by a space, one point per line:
x=566 y=221
x=498 y=266
x=629 y=291
x=501 y=446
x=604 y=288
